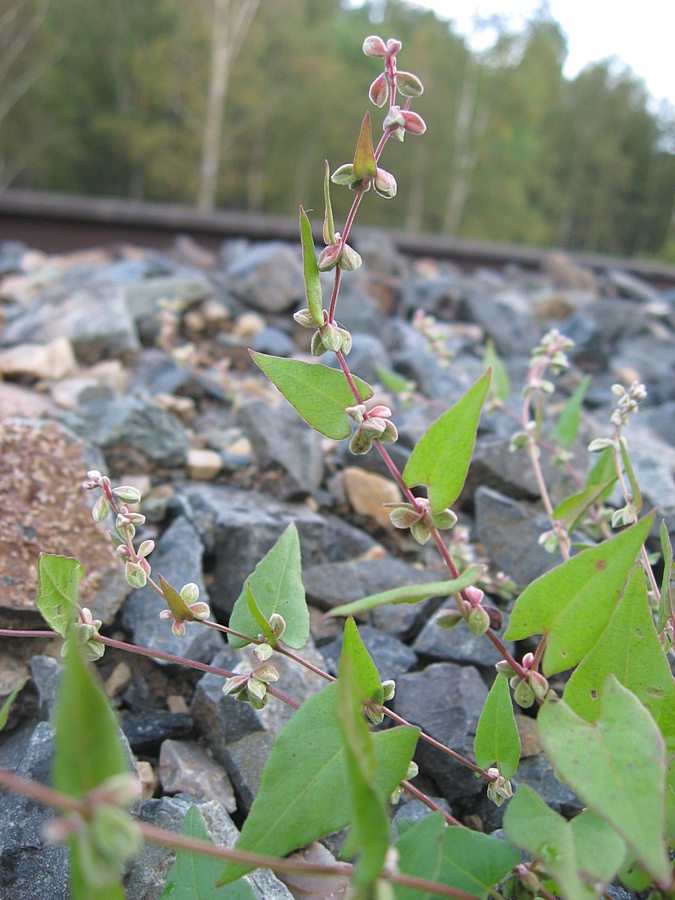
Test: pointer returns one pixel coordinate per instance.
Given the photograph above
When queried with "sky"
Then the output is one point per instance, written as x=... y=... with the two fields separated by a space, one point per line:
x=641 y=33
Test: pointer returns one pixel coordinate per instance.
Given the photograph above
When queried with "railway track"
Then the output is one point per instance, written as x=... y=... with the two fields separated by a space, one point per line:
x=58 y=223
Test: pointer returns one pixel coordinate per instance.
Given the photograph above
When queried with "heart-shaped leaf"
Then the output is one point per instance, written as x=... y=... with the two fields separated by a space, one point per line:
x=497 y=739
x=59 y=578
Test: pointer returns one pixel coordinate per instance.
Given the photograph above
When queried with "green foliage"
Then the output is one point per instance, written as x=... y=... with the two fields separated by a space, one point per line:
x=497 y=740
x=194 y=877
x=311 y=270
x=304 y=792
x=582 y=858
x=573 y=603
x=616 y=766
x=570 y=511
x=275 y=587
x=412 y=593
x=59 y=578
x=457 y=857
x=567 y=426
x=442 y=455
x=629 y=649
x=6 y=707
x=88 y=754
x=319 y=394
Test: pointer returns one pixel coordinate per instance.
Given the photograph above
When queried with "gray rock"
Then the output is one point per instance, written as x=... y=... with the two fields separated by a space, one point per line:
x=439 y=295
x=506 y=317
x=30 y=866
x=631 y=285
x=133 y=433
x=537 y=772
x=509 y=531
x=414 y=810
x=356 y=311
x=147 y=730
x=245 y=761
x=274 y=341
x=146 y=878
x=184 y=767
x=378 y=251
x=281 y=440
x=94 y=316
x=458 y=644
x=391 y=657
x=239 y=527
x=178 y=558
x=660 y=419
x=145 y=295
x=46 y=674
x=652 y=360
x=366 y=356
x=446 y=701
x=268 y=277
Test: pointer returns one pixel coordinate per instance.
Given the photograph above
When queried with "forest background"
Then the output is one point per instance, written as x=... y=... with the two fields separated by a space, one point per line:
x=121 y=98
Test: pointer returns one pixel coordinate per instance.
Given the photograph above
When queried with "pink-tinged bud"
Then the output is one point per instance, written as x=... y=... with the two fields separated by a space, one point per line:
x=420 y=532
x=344 y=175
x=266 y=673
x=382 y=412
x=379 y=90
x=390 y=434
x=474 y=595
x=448 y=618
x=127 y=494
x=385 y=184
x=235 y=684
x=329 y=257
x=178 y=629
x=478 y=621
x=374 y=46
x=189 y=592
x=408 y=84
x=100 y=510
x=349 y=259
x=331 y=338
x=317 y=344
x=523 y=695
x=393 y=46
x=527 y=660
x=413 y=123
x=539 y=685
x=356 y=412
x=404 y=516
x=361 y=442
x=200 y=610
x=393 y=118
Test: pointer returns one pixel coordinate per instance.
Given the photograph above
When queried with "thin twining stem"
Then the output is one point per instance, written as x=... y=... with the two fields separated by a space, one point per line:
x=47 y=796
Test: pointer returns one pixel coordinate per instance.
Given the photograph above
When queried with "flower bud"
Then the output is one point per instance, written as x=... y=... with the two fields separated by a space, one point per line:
x=385 y=184
x=135 y=574
x=600 y=444
x=408 y=84
x=127 y=493
x=344 y=175
x=388 y=689
x=404 y=516
x=200 y=610
x=277 y=624
x=346 y=345
x=413 y=123
x=256 y=689
x=361 y=442
x=263 y=651
x=374 y=46
x=374 y=712
x=356 y=412
x=390 y=434
x=189 y=592
x=523 y=694
x=266 y=673
x=304 y=318
x=539 y=684
x=331 y=337
x=394 y=118
x=349 y=259
x=235 y=684
x=444 y=519
x=100 y=510
x=448 y=618
x=505 y=668
x=420 y=531
x=329 y=257
x=496 y=617
x=393 y=46
x=500 y=789
x=478 y=621
x=146 y=548
x=474 y=595
x=318 y=348
x=379 y=90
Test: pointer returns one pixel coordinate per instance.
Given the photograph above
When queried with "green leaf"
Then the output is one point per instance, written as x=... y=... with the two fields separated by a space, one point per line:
x=567 y=426
x=628 y=466
x=500 y=386
x=629 y=648
x=456 y=857
x=497 y=739
x=362 y=668
x=572 y=510
x=603 y=471
x=573 y=603
x=257 y=615
x=58 y=582
x=318 y=393
x=310 y=269
x=365 y=165
x=328 y=223
x=276 y=585
x=530 y=825
x=194 y=877
x=88 y=750
x=599 y=849
x=370 y=835
x=665 y=597
x=616 y=767
x=410 y=594
x=303 y=791
x=442 y=455
x=7 y=705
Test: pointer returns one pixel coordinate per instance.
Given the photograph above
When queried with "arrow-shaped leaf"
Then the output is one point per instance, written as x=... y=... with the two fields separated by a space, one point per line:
x=365 y=164
x=573 y=603
x=318 y=393
x=442 y=455
x=58 y=581
x=311 y=270
x=497 y=739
